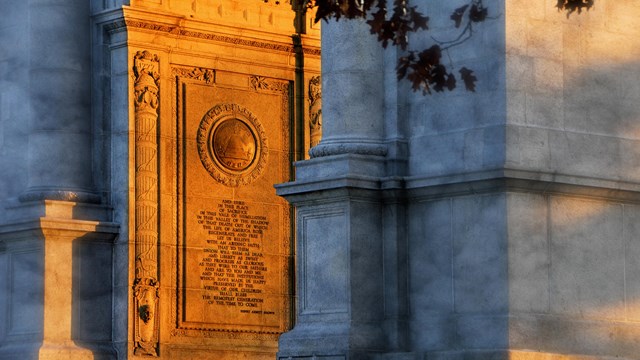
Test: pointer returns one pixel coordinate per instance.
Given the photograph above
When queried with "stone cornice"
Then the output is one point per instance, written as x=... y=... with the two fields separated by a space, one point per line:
x=490 y=181
x=101 y=231
x=174 y=27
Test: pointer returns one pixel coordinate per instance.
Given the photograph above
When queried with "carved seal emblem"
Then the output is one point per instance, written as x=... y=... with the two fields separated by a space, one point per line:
x=232 y=145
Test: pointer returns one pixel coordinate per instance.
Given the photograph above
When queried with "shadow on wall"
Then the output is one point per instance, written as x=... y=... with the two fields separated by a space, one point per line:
x=592 y=245
x=589 y=127
x=562 y=275
x=92 y=301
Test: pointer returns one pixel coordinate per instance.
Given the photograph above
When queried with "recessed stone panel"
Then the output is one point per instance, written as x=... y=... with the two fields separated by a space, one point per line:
x=233 y=231
x=325 y=283
x=26 y=298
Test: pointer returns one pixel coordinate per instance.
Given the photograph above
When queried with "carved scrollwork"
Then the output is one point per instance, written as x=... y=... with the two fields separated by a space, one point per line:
x=146 y=288
x=201 y=74
x=315 y=111
x=258 y=83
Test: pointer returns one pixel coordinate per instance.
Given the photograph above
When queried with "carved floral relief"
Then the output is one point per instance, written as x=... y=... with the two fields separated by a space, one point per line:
x=146 y=287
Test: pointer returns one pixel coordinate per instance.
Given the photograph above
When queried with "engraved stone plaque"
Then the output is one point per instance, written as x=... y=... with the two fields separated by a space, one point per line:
x=234 y=249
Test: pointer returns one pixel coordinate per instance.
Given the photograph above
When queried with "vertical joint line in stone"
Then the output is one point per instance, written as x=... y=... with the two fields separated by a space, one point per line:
x=146 y=287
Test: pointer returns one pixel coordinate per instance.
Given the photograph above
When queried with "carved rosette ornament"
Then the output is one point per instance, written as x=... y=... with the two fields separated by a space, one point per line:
x=315 y=111
x=146 y=287
x=232 y=145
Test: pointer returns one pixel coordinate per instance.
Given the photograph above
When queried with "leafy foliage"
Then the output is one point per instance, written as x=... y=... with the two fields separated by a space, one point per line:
x=574 y=5
x=424 y=69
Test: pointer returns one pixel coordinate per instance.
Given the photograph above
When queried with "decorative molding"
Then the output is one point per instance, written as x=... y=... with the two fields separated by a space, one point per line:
x=224 y=129
x=146 y=287
x=122 y=24
x=61 y=195
x=201 y=74
x=177 y=30
x=315 y=111
x=115 y=26
x=339 y=149
x=258 y=83
x=312 y=51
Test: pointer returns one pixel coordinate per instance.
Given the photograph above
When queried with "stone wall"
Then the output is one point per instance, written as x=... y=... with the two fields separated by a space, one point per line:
x=107 y=179
x=506 y=213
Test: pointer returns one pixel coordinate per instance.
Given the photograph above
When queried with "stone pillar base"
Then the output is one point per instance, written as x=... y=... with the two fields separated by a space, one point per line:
x=58 y=270
x=64 y=350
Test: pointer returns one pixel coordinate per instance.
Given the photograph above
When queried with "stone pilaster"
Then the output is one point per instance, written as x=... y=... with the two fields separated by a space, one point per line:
x=339 y=207
x=146 y=287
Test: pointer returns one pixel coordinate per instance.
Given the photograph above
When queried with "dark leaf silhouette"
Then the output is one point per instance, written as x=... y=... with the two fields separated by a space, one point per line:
x=478 y=12
x=572 y=6
x=451 y=82
x=423 y=69
x=457 y=15
x=420 y=22
x=468 y=78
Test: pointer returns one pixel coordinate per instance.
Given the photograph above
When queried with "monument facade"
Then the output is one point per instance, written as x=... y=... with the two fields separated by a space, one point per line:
x=141 y=140
x=141 y=143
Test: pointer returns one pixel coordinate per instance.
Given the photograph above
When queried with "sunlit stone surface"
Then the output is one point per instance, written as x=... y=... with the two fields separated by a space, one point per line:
x=140 y=142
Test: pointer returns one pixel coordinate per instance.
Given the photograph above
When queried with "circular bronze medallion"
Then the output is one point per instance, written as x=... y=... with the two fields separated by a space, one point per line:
x=232 y=144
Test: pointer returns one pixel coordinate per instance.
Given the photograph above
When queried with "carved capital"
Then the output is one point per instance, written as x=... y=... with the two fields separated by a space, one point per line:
x=146 y=88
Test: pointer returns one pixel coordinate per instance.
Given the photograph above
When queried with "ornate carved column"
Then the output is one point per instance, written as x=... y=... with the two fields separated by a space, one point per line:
x=145 y=288
x=315 y=111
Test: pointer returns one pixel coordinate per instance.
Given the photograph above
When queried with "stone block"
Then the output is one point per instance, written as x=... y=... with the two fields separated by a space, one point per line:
x=92 y=296
x=587 y=259
x=528 y=253
x=592 y=339
x=430 y=262
x=482 y=332
x=26 y=298
x=433 y=332
x=480 y=267
x=631 y=233
x=326 y=272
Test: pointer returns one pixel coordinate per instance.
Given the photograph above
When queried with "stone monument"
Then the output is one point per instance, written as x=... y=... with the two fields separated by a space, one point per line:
x=500 y=224
x=140 y=143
